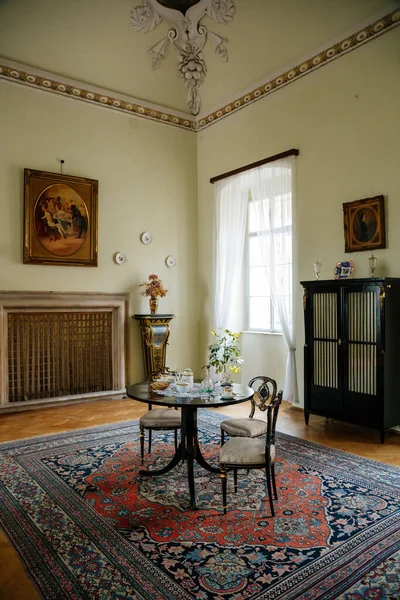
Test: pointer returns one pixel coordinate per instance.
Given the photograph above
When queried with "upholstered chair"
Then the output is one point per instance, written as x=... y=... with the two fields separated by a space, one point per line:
x=265 y=391
x=159 y=419
x=252 y=453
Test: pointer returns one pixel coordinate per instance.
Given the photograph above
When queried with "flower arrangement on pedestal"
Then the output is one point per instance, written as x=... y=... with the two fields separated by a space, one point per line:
x=154 y=289
x=224 y=353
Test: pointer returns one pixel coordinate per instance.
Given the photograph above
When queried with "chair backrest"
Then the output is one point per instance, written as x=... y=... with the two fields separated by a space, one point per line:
x=265 y=393
x=272 y=417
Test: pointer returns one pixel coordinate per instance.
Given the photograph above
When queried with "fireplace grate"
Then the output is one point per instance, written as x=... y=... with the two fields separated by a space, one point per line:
x=53 y=354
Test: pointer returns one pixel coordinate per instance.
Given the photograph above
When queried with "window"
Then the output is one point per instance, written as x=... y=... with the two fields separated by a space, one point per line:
x=269 y=250
x=261 y=229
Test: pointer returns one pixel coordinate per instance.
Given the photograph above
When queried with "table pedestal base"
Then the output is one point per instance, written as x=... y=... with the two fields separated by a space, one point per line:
x=188 y=450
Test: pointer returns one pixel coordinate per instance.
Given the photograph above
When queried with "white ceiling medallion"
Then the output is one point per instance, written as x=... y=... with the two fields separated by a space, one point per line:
x=188 y=35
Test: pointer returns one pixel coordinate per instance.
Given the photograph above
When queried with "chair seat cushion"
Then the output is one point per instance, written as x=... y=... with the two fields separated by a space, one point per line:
x=162 y=417
x=244 y=427
x=244 y=451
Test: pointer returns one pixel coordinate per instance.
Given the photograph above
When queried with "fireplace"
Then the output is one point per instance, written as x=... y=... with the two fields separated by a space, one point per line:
x=59 y=347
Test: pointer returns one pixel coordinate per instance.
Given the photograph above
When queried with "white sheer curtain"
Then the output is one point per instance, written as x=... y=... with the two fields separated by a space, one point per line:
x=231 y=203
x=272 y=195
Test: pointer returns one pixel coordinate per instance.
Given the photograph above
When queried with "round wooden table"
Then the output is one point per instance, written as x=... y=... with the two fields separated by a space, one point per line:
x=188 y=449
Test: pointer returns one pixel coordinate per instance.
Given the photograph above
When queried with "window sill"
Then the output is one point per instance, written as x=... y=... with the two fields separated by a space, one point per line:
x=260 y=332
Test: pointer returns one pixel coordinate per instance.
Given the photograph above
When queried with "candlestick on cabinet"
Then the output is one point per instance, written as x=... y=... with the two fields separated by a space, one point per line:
x=155 y=334
x=317 y=268
x=372 y=264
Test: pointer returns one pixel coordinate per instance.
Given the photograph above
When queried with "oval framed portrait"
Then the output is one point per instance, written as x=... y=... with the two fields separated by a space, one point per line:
x=60 y=220
x=365 y=224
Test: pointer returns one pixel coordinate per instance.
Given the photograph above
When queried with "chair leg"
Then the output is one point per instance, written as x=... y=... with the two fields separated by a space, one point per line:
x=235 y=479
x=273 y=481
x=268 y=476
x=142 y=444
x=149 y=441
x=222 y=437
x=223 y=476
x=176 y=440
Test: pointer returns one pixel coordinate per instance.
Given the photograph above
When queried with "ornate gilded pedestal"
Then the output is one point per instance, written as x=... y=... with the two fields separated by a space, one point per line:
x=155 y=334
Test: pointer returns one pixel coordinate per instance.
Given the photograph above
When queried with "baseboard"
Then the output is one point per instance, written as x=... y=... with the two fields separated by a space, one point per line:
x=64 y=402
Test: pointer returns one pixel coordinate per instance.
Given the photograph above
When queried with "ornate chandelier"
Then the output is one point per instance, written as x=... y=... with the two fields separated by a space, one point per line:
x=187 y=34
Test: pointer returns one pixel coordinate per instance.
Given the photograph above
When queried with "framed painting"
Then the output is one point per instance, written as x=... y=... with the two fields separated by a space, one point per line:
x=60 y=219
x=364 y=224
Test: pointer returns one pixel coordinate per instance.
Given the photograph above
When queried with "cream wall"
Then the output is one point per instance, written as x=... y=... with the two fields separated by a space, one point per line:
x=264 y=355
x=147 y=182
x=344 y=119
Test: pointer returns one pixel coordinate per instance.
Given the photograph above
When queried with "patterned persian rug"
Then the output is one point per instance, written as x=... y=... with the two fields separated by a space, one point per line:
x=88 y=527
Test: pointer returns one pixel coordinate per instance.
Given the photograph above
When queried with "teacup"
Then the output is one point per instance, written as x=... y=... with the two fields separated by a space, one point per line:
x=182 y=386
x=228 y=392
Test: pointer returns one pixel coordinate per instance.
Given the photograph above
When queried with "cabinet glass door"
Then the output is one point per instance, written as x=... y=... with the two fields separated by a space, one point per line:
x=325 y=369
x=361 y=328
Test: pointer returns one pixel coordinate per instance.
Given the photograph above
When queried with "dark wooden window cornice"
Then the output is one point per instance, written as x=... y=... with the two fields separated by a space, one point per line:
x=259 y=163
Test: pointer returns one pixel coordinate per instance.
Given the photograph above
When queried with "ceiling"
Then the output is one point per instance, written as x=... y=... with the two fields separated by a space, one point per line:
x=93 y=42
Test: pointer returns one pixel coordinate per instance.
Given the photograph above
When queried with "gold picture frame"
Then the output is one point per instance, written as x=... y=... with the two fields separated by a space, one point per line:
x=60 y=219
x=364 y=224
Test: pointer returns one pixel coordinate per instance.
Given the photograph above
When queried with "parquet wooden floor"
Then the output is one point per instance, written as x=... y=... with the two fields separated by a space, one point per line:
x=14 y=582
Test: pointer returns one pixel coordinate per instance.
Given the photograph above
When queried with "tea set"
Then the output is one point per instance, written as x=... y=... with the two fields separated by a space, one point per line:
x=183 y=382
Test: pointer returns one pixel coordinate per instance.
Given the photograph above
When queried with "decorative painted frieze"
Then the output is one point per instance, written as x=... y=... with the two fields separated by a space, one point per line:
x=315 y=61
x=79 y=91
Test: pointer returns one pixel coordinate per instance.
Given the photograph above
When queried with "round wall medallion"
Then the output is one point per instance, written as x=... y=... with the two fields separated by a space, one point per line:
x=146 y=238
x=120 y=258
x=170 y=261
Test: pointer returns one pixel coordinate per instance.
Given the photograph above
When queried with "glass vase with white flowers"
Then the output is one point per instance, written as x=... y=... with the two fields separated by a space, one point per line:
x=224 y=354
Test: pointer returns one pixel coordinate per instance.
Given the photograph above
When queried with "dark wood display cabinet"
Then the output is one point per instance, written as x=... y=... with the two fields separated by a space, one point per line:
x=352 y=351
